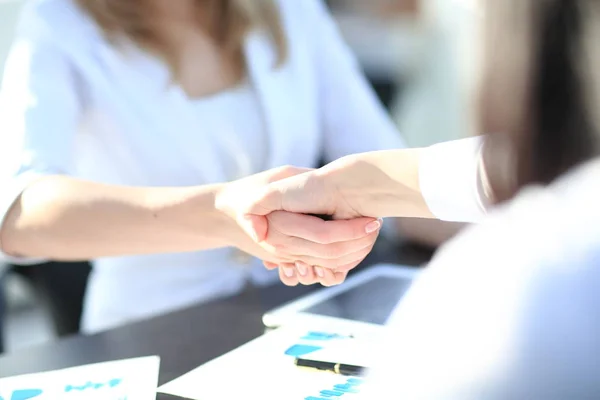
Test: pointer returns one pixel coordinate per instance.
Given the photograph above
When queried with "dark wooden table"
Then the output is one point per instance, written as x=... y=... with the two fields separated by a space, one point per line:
x=184 y=339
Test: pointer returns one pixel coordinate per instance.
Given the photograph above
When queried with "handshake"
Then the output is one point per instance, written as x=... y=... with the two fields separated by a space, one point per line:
x=273 y=213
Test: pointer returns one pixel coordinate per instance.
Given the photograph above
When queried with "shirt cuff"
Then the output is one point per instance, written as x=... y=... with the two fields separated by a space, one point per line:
x=10 y=193
x=449 y=180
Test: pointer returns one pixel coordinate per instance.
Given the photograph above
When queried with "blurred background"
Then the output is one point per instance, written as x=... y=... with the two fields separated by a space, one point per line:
x=410 y=51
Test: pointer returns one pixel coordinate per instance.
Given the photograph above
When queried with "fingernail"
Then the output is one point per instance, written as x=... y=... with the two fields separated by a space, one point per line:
x=320 y=272
x=302 y=269
x=289 y=272
x=373 y=226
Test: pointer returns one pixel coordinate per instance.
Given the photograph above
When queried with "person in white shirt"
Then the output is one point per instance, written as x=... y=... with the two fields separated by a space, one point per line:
x=121 y=122
x=510 y=308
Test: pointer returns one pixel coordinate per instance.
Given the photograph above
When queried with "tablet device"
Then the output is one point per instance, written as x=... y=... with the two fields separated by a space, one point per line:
x=366 y=299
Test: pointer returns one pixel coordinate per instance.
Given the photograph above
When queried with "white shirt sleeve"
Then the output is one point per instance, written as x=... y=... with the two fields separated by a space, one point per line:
x=508 y=309
x=449 y=180
x=39 y=113
x=353 y=118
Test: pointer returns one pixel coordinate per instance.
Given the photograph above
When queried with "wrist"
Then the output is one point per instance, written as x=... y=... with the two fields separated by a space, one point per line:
x=358 y=181
x=381 y=183
x=190 y=216
x=224 y=214
x=220 y=222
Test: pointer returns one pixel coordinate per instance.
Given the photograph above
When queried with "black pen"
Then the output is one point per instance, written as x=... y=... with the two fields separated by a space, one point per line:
x=338 y=368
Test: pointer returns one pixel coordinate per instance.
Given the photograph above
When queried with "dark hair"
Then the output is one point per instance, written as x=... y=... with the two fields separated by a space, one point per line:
x=535 y=94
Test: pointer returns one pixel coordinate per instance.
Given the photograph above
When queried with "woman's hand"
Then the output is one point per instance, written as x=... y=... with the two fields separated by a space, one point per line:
x=375 y=184
x=294 y=242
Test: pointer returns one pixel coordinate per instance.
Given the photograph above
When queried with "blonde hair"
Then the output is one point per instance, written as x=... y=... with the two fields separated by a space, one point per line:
x=230 y=20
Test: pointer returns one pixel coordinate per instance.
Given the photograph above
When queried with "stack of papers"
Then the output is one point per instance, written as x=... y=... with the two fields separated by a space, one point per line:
x=133 y=379
x=264 y=369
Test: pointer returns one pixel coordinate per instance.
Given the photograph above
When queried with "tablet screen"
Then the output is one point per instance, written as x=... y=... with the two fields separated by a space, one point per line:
x=371 y=302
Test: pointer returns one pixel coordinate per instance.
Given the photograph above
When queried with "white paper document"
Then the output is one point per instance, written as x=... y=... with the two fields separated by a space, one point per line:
x=264 y=369
x=133 y=379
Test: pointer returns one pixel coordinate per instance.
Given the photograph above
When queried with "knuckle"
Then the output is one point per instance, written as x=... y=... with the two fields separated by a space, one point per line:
x=284 y=168
x=287 y=170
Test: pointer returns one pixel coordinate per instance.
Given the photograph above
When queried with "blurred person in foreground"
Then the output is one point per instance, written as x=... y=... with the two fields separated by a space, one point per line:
x=510 y=308
x=128 y=126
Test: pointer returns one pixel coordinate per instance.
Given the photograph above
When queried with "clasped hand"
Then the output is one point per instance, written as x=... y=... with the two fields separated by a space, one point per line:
x=274 y=225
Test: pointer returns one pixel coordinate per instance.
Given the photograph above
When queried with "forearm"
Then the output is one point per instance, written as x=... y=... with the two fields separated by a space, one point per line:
x=63 y=218
x=442 y=181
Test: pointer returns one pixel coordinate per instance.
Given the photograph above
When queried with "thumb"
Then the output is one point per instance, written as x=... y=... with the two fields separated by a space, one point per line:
x=264 y=202
x=255 y=226
x=270 y=197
